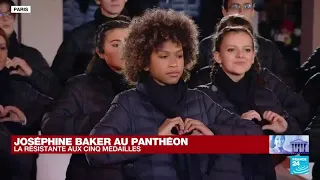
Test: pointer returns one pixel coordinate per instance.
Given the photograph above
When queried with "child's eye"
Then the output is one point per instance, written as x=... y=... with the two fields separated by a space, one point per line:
x=248 y=50
x=115 y=45
x=163 y=57
x=230 y=50
x=180 y=56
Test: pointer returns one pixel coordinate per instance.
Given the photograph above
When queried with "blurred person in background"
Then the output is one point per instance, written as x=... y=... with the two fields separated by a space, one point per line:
x=288 y=43
x=76 y=13
x=269 y=55
x=199 y=11
x=87 y=98
x=264 y=27
x=27 y=63
x=21 y=110
x=77 y=49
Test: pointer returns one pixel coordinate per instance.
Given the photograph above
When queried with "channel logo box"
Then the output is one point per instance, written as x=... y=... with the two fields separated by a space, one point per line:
x=299 y=165
x=289 y=144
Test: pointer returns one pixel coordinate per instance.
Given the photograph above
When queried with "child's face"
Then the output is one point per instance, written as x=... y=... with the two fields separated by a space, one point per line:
x=166 y=63
x=236 y=53
x=113 y=43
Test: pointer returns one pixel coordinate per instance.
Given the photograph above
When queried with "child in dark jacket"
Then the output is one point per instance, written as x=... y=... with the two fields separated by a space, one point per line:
x=159 y=47
x=88 y=96
x=291 y=101
x=238 y=86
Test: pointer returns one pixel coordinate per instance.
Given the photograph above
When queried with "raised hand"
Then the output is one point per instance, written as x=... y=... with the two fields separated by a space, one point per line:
x=2 y=112
x=277 y=123
x=15 y=115
x=196 y=127
x=168 y=124
x=19 y=66
x=250 y=115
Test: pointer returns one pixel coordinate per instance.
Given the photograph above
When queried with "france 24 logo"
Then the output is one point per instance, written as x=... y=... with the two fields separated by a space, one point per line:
x=20 y=9
x=299 y=165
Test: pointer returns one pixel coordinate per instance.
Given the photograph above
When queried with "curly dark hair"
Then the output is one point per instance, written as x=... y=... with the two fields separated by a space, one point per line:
x=219 y=36
x=101 y=33
x=150 y=30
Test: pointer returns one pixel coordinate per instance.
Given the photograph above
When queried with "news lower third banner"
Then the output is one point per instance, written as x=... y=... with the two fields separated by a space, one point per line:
x=160 y=144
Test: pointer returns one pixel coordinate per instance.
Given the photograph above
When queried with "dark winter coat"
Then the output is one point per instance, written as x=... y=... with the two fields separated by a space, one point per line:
x=312 y=96
x=291 y=101
x=131 y=112
x=86 y=99
x=258 y=98
x=77 y=12
x=308 y=69
x=311 y=93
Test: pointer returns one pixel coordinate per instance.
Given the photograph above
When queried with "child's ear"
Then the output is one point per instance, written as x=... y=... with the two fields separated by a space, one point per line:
x=224 y=12
x=216 y=57
x=98 y=2
x=254 y=57
x=99 y=53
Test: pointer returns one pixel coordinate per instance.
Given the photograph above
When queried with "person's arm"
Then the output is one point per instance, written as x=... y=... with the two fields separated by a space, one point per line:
x=38 y=103
x=117 y=121
x=28 y=106
x=42 y=77
x=67 y=114
x=65 y=58
x=292 y=102
x=223 y=122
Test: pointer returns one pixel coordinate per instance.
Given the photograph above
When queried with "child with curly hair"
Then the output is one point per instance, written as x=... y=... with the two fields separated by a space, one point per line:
x=160 y=46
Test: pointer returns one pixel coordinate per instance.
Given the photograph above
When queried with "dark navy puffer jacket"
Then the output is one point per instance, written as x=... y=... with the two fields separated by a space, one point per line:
x=292 y=102
x=254 y=166
x=132 y=113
